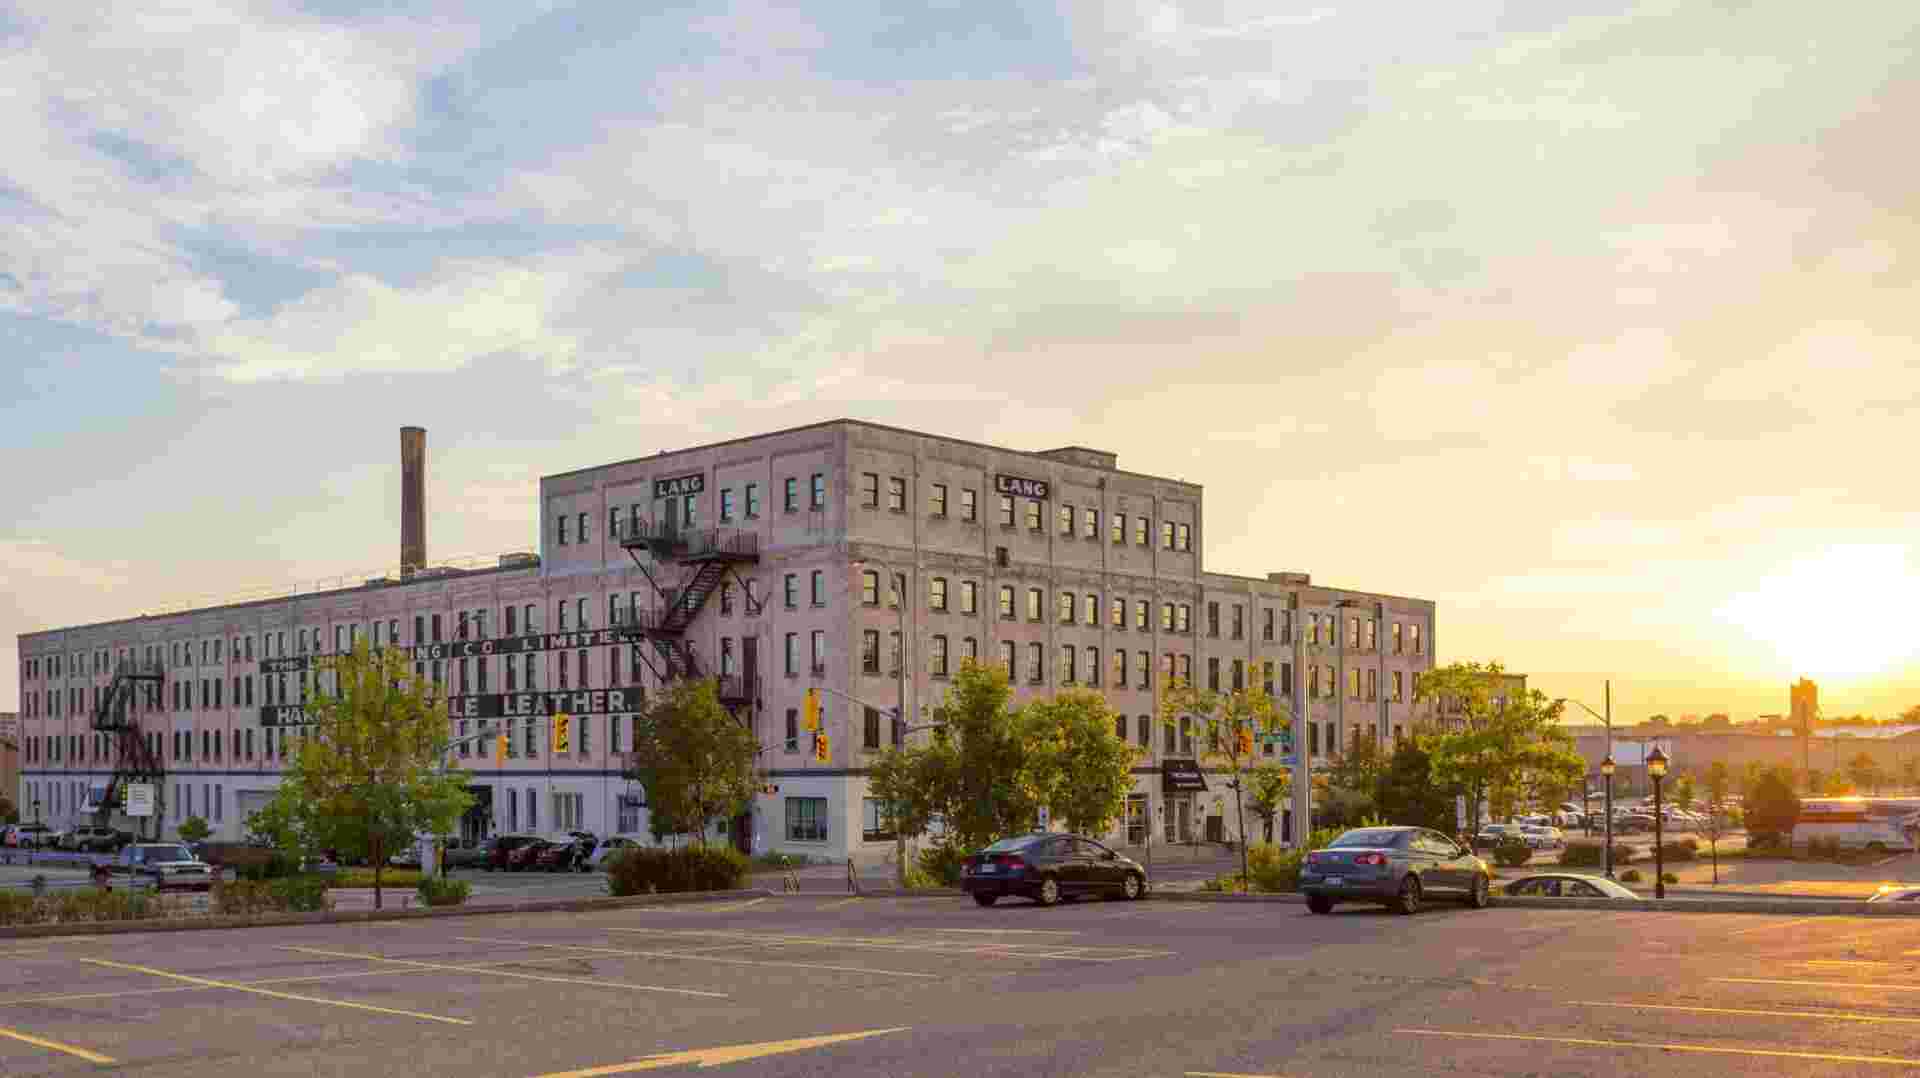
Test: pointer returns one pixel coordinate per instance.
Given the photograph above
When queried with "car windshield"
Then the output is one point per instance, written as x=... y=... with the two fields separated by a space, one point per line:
x=1006 y=844
x=166 y=853
x=1371 y=836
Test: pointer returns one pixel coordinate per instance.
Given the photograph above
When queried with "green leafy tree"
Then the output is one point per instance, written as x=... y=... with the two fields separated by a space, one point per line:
x=1268 y=788
x=693 y=758
x=1407 y=794
x=1228 y=727
x=1772 y=807
x=1081 y=771
x=1359 y=768
x=1493 y=753
x=368 y=774
x=1684 y=790
x=1835 y=784
x=9 y=812
x=193 y=829
x=1864 y=772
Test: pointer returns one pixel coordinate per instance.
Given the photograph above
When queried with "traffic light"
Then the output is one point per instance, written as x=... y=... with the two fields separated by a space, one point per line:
x=810 y=711
x=820 y=748
x=1245 y=740
x=500 y=749
x=562 y=732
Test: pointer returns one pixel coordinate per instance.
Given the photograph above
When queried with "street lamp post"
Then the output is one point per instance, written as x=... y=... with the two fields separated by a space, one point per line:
x=1656 y=770
x=1606 y=855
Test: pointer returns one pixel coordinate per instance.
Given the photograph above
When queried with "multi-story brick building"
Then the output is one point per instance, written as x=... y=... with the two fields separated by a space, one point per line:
x=1057 y=566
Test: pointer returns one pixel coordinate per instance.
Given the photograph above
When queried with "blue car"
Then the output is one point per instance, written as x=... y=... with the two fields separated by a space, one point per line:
x=1400 y=867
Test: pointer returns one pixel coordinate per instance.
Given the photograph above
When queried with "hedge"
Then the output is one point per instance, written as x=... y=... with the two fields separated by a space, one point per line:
x=646 y=870
x=1587 y=854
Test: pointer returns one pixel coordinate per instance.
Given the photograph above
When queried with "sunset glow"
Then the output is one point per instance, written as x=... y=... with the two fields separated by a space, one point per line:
x=1841 y=613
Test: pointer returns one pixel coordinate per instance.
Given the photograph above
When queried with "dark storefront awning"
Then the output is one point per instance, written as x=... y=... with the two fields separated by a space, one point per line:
x=1181 y=776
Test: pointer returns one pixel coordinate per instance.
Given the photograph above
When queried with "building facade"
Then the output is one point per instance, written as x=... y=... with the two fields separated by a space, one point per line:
x=881 y=559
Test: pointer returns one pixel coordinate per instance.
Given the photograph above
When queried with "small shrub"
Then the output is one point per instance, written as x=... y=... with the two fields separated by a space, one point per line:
x=1512 y=853
x=942 y=861
x=300 y=894
x=647 y=870
x=1670 y=878
x=275 y=865
x=1214 y=885
x=1631 y=875
x=1680 y=850
x=193 y=829
x=1763 y=840
x=776 y=859
x=1272 y=868
x=435 y=891
x=1587 y=854
x=919 y=879
x=363 y=877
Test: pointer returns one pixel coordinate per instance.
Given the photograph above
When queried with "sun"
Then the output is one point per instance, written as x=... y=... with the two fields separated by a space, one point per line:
x=1841 y=613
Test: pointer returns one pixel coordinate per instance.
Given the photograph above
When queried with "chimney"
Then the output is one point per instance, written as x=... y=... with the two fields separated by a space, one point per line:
x=413 y=500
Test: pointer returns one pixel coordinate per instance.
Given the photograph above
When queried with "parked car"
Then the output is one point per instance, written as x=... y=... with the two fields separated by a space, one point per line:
x=29 y=836
x=1048 y=868
x=1568 y=885
x=1399 y=866
x=526 y=856
x=607 y=848
x=165 y=866
x=1543 y=838
x=53 y=839
x=461 y=853
x=1495 y=833
x=500 y=850
x=1896 y=892
x=564 y=854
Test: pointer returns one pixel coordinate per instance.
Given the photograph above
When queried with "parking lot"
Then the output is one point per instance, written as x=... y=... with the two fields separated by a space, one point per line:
x=919 y=986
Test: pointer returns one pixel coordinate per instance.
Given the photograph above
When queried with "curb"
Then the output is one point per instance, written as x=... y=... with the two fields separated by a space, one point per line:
x=1798 y=907
x=198 y=924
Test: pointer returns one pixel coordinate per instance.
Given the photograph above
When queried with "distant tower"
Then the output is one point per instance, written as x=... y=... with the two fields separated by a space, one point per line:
x=413 y=500
x=1803 y=699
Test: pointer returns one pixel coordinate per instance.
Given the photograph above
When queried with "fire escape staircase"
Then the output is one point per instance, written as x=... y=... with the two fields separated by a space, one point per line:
x=708 y=556
x=133 y=759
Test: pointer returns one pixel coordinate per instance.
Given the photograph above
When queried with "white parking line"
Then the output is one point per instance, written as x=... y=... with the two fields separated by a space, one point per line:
x=700 y=958
x=495 y=971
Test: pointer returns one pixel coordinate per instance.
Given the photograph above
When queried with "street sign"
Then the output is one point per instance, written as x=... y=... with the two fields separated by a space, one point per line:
x=139 y=799
x=1288 y=760
x=1460 y=811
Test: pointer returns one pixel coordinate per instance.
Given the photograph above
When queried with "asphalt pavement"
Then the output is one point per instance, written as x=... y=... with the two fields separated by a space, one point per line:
x=817 y=985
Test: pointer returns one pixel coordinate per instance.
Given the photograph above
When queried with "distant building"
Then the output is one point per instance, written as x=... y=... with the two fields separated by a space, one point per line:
x=1449 y=713
x=1803 y=699
x=10 y=756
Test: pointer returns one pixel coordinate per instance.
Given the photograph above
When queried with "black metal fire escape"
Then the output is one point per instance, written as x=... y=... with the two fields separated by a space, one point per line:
x=133 y=759
x=709 y=556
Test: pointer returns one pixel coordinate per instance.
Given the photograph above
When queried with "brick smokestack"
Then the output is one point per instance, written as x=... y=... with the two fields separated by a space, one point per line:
x=413 y=500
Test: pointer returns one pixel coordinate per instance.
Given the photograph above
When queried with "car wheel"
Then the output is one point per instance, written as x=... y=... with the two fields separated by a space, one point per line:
x=986 y=900
x=1477 y=894
x=1049 y=893
x=1320 y=904
x=1408 y=901
x=1130 y=888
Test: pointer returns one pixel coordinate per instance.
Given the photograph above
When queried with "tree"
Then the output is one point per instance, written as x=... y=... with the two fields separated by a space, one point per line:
x=368 y=775
x=974 y=775
x=1864 y=772
x=193 y=829
x=1407 y=794
x=1835 y=784
x=1229 y=726
x=1683 y=790
x=1494 y=752
x=1081 y=771
x=1359 y=768
x=1268 y=788
x=1718 y=779
x=9 y=812
x=694 y=760
x=1772 y=807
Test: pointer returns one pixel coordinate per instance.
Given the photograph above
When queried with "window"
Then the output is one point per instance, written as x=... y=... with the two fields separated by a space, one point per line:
x=969 y=649
x=1117 y=612
x=436 y=627
x=870 y=587
x=563 y=529
x=870 y=490
x=896 y=494
x=1313 y=628
x=819 y=645
x=876 y=822
x=1143 y=670
x=1185 y=621
x=512 y=625
x=818 y=490
x=895 y=664
x=819 y=587
x=613 y=522
x=1006 y=511
x=793 y=654
x=1353 y=632
x=1213 y=675
x=1166 y=535
x=969 y=505
x=1006 y=601
x=790 y=494
x=580 y=613
x=937 y=500
x=583 y=527
x=1033 y=514
x=560 y=615
x=1166 y=617
x=1090 y=609
x=793 y=727
x=1119 y=675
x=1413 y=638
x=1239 y=674
x=1090 y=523
x=753 y=500
x=1239 y=622
x=1064 y=516
x=791 y=585
x=870 y=650
x=937 y=658
x=1266 y=625
x=1063 y=607
x=1036 y=662
x=969 y=597
x=870 y=729
x=1142 y=614
x=1036 y=601
x=1142 y=527
x=1213 y=619
x=937 y=593
x=1007 y=659
x=1184 y=539
x=1186 y=669
x=1313 y=681
x=1373 y=684
x=726 y=504
x=1118 y=523
x=1398 y=696
x=1093 y=666
x=1069 y=664
x=806 y=819
x=1398 y=646
x=1373 y=634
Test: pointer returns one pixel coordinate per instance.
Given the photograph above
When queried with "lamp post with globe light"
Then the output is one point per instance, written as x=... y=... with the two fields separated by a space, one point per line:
x=1606 y=772
x=1657 y=770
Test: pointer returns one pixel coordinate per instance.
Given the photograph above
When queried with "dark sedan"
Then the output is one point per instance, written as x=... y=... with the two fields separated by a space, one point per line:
x=1048 y=868
x=500 y=850
x=1399 y=866
x=558 y=856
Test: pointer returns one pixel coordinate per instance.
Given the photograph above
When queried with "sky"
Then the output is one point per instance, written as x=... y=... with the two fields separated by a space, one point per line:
x=1593 y=322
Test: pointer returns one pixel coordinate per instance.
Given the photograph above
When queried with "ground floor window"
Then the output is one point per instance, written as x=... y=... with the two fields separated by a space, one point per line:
x=806 y=819
x=568 y=811
x=628 y=814
x=877 y=822
x=533 y=807
x=1136 y=819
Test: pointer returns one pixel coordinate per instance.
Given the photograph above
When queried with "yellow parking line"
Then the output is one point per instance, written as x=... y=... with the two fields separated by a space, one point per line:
x=1657 y=1046
x=1819 y=984
x=496 y=972
x=210 y=983
x=56 y=1046
x=1844 y=1016
x=1846 y=962
x=701 y=958
x=1773 y=926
